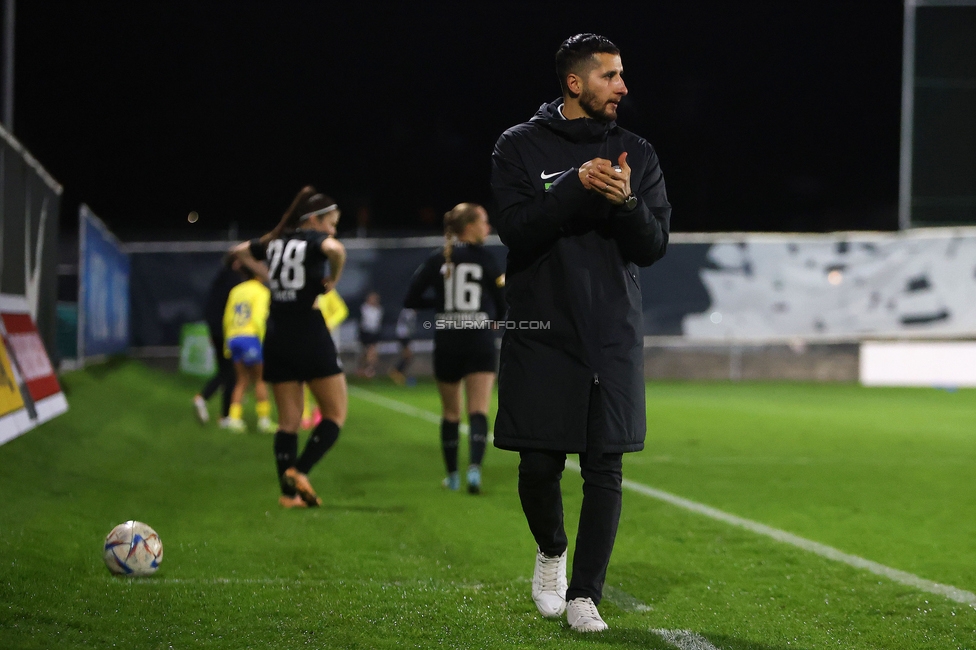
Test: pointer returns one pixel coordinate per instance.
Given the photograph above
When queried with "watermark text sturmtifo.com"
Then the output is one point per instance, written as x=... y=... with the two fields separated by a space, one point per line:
x=487 y=324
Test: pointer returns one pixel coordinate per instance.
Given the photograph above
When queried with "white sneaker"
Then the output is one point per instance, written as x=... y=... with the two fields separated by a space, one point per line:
x=202 y=413
x=265 y=425
x=237 y=426
x=549 y=584
x=583 y=617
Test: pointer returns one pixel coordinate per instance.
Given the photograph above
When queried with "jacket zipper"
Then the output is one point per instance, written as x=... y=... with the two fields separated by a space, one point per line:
x=596 y=379
x=633 y=279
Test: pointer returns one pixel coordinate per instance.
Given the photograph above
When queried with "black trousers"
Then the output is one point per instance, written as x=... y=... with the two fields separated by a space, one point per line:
x=542 y=503
x=225 y=378
x=540 y=472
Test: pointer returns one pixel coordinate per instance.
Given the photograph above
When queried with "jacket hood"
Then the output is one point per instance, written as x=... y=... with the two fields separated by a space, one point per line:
x=581 y=130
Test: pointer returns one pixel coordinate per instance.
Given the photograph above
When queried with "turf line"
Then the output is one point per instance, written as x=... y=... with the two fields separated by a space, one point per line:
x=623 y=600
x=399 y=407
x=685 y=640
x=903 y=577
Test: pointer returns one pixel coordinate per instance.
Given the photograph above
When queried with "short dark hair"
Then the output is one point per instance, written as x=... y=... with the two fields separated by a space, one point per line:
x=576 y=51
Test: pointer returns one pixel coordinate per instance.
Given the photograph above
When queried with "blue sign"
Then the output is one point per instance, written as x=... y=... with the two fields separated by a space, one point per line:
x=103 y=289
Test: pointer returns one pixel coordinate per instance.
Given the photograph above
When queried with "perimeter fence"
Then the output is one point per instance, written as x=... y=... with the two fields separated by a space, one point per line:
x=717 y=306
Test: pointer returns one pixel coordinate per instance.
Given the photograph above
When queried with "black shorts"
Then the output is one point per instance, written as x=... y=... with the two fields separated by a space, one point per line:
x=369 y=338
x=299 y=348
x=456 y=355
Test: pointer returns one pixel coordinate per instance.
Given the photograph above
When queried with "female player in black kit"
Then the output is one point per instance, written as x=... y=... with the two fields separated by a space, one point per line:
x=297 y=346
x=468 y=288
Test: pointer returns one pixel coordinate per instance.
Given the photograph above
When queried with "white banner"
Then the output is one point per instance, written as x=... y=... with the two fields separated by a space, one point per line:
x=917 y=284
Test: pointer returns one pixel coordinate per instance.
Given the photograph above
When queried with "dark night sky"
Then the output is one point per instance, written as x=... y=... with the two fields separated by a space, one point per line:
x=766 y=115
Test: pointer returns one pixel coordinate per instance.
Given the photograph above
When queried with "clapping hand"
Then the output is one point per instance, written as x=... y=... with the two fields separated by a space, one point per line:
x=602 y=176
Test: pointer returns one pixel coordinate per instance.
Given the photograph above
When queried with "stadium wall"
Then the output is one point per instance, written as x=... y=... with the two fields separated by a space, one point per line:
x=30 y=202
x=103 y=291
x=718 y=306
x=30 y=208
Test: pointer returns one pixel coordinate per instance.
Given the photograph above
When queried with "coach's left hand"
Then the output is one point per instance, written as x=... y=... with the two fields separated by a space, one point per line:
x=601 y=176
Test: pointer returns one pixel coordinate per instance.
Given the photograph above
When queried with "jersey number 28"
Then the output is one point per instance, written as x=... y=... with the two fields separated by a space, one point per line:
x=291 y=257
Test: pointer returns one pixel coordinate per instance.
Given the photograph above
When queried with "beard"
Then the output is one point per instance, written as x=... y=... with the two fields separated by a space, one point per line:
x=596 y=109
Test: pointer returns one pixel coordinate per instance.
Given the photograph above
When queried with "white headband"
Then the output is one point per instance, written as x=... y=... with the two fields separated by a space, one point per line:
x=309 y=215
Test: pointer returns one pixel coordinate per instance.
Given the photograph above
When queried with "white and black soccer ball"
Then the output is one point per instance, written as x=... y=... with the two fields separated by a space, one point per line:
x=133 y=549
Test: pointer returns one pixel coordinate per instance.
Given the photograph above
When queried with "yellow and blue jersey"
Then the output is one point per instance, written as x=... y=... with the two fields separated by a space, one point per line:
x=246 y=313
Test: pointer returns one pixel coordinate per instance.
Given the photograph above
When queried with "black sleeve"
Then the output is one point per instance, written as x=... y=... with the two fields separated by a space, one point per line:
x=528 y=217
x=642 y=233
x=314 y=253
x=258 y=252
x=423 y=279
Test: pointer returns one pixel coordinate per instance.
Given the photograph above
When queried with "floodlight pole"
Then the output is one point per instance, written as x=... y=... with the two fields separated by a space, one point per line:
x=907 y=118
x=908 y=103
x=8 y=65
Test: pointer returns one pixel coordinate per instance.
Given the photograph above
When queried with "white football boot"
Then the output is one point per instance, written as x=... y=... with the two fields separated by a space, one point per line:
x=200 y=405
x=549 y=584
x=582 y=616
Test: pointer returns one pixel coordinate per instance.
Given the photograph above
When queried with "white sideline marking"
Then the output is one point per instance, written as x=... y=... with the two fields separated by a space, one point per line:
x=903 y=577
x=400 y=407
x=685 y=640
x=623 y=600
x=394 y=405
x=829 y=552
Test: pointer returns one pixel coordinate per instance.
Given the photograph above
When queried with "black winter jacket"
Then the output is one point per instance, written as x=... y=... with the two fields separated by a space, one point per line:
x=213 y=311
x=572 y=265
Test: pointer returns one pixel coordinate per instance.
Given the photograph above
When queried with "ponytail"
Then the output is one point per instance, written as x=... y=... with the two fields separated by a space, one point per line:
x=448 y=247
x=455 y=221
x=288 y=218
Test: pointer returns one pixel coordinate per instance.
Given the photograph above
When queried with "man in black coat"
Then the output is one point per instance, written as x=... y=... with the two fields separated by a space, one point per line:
x=581 y=205
x=228 y=277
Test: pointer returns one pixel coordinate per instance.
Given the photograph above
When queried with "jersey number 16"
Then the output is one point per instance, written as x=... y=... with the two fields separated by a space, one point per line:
x=462 y=290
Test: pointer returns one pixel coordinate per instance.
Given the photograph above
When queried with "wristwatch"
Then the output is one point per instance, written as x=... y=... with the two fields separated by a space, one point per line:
x=630 y=202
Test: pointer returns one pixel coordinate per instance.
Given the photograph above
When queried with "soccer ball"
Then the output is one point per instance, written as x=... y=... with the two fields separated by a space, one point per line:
x=133 y=549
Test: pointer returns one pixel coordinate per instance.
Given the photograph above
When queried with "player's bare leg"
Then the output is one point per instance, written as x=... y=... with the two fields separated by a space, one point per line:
x=235 y=420
x=332 y=397
x=263 y=406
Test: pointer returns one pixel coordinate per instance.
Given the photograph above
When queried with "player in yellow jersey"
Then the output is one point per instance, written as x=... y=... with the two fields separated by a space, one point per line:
x=245 y=319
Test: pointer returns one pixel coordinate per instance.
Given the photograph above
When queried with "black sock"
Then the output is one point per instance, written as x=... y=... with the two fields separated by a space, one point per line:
x=286 y=451
x=227 y=391
x=324 y=435
x=477 y=436
x=449 y=444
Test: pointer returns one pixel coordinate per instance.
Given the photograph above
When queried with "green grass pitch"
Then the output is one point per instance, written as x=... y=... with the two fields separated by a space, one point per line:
x=392 y=560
